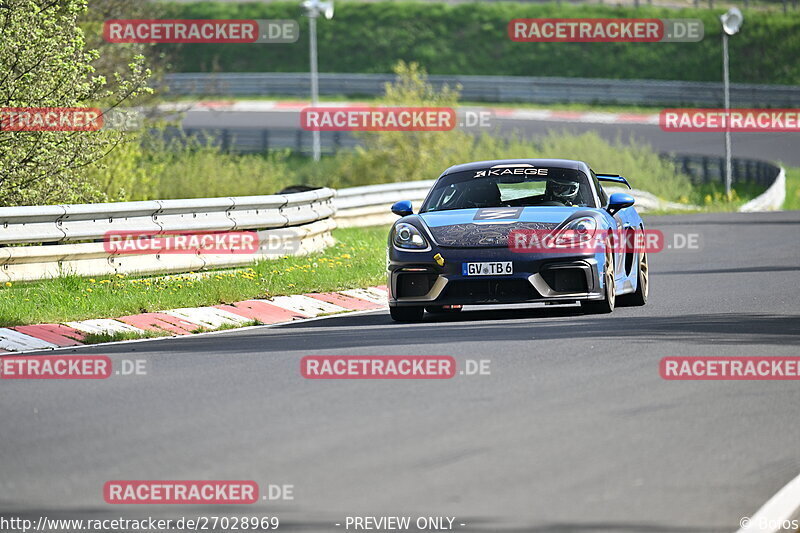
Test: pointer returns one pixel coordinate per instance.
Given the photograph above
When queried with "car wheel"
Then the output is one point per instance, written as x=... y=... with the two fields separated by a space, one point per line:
x=407 y=314
x=606 y=305
x=639 y=297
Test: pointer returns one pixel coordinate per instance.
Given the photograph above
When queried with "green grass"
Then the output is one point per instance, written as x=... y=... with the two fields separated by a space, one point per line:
x=99 y=338
x=357 y=260
x=224 y=327
x=711 y=196
x=792 y=189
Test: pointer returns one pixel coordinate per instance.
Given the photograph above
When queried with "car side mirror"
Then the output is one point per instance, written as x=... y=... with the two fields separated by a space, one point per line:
x=619 y=200
x=402 y=208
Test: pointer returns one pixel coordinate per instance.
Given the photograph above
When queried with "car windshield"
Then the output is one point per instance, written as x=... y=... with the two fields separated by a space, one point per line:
x=511 y=186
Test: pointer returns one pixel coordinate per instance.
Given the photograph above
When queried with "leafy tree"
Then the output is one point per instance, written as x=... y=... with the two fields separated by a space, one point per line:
x=44 y=62
x=114 y=56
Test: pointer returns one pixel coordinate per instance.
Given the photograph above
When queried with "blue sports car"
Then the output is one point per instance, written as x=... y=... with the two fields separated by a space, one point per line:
x=514 y=231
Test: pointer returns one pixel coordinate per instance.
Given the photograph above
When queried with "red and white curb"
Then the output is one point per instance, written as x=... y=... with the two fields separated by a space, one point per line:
x=589 y=117
x=188 y=320
x=506 y=113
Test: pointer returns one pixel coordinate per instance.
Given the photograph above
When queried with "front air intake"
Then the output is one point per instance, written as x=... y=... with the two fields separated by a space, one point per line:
x=414 y=285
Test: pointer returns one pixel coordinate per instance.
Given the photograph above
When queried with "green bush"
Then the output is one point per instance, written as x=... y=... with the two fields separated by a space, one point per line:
x=188 y=168
x=472 y=38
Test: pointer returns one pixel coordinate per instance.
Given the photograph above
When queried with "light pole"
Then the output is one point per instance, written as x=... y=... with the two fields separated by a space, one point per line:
x=313 y=9
x=731 y=22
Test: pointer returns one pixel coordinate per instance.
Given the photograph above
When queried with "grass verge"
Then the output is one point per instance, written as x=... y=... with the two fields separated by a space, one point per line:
x=792 y=201
x=99 y=338
x=357 y=260
x=224 y=327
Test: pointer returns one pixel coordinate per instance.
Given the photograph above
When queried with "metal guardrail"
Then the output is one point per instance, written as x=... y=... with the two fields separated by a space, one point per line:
x=72 y=235
x=770 y=200
x=493 y=89
x=370 y=205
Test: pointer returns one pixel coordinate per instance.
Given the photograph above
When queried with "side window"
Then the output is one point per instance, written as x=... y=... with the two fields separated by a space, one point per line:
x=600 y=192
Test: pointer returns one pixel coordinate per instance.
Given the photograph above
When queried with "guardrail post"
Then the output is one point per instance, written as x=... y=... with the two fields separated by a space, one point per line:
x=264 y=140
x=226 y=142
x=685 y=166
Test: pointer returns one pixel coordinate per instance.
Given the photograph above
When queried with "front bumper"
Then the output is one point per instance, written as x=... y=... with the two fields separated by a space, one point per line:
x=415 y=278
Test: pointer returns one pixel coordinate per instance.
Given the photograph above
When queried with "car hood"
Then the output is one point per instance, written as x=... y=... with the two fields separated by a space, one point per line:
x=489 y=227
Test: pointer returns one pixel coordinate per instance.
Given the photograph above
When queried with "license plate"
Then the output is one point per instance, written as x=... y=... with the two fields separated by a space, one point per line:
x=497 y=268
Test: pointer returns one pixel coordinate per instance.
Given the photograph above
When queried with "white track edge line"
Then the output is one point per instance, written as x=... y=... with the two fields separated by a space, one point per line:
x=783 y=506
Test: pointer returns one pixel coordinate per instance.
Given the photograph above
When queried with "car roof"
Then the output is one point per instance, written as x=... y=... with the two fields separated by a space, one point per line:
x=558 y=163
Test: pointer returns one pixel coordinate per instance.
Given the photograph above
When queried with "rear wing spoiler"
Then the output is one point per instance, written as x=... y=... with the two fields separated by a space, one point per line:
x=614 y=178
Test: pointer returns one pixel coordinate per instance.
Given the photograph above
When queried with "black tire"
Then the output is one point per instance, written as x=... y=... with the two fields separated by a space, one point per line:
x=407 y=314
x=639 y=297
x=606 y=305
x=440 y=309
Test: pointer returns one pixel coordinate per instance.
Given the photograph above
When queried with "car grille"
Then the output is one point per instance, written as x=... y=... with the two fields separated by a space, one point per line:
x=566 y=279
x=482 y=235
x=494 y=290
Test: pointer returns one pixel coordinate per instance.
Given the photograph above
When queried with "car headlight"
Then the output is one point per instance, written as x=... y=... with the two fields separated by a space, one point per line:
x=578 y=231
x=408 y=237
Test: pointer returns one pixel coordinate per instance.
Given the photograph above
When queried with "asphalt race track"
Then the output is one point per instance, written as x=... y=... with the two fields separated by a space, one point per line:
x=573 y=431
